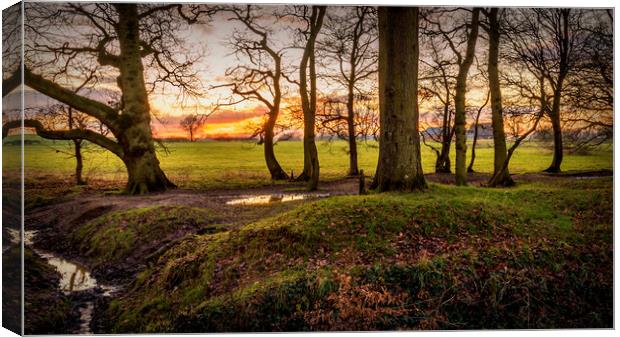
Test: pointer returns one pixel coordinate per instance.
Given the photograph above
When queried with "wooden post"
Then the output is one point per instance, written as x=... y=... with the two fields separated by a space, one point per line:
x=362 y=183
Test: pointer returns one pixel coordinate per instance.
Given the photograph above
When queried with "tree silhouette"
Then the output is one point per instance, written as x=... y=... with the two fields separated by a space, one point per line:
x=259 y=76
x=348 y=42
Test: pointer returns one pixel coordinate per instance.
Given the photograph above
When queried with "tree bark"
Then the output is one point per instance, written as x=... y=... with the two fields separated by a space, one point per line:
x=563 y=36
x=91 y=136
x=399 y=166
x=470 y=168
x=558 y=146
x=267 y=134
x=459 y=101
x=501 y=175
x=353 y=168
x=77 y=146
x=134 y=132
x=308 y=100
x=442 y=165
x=276 y=171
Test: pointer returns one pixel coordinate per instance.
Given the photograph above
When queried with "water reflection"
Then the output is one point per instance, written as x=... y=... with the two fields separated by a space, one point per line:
x=264 y=199
x=15 y=236
x=74 y=277
x=86 y=315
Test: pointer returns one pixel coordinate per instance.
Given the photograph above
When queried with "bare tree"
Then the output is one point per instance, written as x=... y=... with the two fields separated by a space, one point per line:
x=457 y=33
x=332 y=117
x=548 y=41
x=349 y=44
x=63 y=39
x=528 y=101
x=590 y=88
x=191 y=123
x=259 y=75
x=437 y=81
x=311 y=18
x=400 y=165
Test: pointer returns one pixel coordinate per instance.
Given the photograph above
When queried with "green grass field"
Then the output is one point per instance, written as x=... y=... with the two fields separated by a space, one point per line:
x=236 y=163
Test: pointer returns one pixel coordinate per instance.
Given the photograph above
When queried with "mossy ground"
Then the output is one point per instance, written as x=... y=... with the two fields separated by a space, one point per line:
x=123 y=240
x=535 y=256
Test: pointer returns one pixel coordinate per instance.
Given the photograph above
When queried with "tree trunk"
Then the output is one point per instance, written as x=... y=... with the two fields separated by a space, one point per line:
x=558 y=147
x=308 y=100
x=353 y=169
x=144 y=174
x=563 y=38
x=134 y=129
x=276 y=171
x=501 y=175
x=459 y=102
x=470 y=168
x=77 y=145
x=442 y=165
x=399 y=166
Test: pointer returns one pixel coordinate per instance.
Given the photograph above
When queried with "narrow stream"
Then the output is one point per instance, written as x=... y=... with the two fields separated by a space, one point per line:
x=74 y=277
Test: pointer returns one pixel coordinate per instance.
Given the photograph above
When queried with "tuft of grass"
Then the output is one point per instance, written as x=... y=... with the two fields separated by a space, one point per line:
x=534 y=256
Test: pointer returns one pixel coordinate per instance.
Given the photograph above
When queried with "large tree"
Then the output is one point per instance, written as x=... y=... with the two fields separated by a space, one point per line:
x=116 y=40
x=459 y=99
x=400 y=164
x=501 y=175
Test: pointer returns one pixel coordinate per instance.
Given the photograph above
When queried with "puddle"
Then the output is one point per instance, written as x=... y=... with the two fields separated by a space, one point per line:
x=264 y=199
x=73 y=277
x=28 y=236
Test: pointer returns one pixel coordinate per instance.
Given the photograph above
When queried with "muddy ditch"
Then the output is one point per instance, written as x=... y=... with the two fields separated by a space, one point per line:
x=88 y=287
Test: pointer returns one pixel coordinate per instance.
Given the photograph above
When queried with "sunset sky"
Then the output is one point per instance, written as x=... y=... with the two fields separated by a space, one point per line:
x=212 y=42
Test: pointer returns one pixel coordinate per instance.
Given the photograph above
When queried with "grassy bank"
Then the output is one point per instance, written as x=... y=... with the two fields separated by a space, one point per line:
x=535 y=256
x=117 y=244
x=236 y=164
